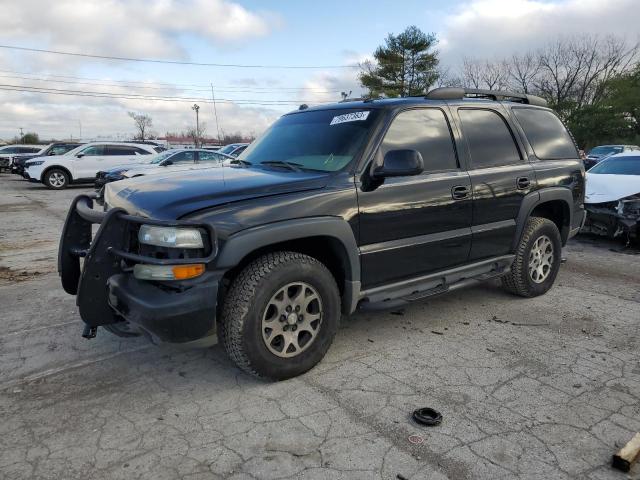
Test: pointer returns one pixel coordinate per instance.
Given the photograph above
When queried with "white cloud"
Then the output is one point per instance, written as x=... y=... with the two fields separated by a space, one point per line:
x=130 y=27
x=492 y=28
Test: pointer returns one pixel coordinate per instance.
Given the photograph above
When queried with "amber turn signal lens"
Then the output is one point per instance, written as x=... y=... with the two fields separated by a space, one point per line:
x=184 y=272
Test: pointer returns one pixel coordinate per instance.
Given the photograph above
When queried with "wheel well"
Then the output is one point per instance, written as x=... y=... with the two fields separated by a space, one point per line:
x=558 y=212
x=328 y=250
x=57 y=167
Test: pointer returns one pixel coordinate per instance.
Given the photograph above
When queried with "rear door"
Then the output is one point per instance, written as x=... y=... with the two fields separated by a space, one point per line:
x=122 y=154
x=500 y=178
x=418 y=224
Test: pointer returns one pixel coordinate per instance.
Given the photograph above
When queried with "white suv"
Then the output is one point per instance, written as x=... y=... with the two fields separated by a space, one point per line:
x=81 y=164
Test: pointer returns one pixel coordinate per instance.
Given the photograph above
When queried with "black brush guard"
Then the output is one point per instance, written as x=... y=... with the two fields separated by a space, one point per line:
x=100 y=285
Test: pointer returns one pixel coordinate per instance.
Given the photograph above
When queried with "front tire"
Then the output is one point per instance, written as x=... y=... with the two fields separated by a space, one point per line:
x=280 y=315
x=56 y=179
x=537 y=261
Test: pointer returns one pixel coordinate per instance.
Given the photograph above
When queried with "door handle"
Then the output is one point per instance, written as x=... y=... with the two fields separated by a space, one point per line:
x=459 y=192
x=522 y=182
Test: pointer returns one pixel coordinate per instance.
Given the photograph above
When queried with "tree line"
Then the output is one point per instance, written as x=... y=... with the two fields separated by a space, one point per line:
x=593 y=82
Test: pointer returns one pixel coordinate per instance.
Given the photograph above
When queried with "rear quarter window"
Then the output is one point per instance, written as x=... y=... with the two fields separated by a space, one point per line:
x=547 y=135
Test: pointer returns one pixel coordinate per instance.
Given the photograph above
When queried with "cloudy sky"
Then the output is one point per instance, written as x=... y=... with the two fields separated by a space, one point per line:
x=330 y=35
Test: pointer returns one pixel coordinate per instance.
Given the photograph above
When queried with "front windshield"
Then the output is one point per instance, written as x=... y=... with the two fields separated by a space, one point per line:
x=618 y=166
x=228 y=149
x=324 y=140
x=605 y=150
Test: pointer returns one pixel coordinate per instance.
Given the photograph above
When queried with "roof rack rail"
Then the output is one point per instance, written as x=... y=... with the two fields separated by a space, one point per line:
x=455 y=93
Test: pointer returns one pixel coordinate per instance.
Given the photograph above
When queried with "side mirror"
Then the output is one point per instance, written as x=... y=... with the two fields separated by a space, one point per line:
x=400 y=163
x=52 y=153
x=80 y=155
x=166 y=163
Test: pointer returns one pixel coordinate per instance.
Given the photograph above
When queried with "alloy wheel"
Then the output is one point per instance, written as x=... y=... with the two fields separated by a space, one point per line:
x=292 y=319
x=541 y=259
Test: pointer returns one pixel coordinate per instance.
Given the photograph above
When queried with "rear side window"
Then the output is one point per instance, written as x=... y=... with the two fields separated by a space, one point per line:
x=183 y=157
x=427 y=131
x=119 y=150
x=28 y=150
x=547 y=135
x=209 y=157
x=490 y=141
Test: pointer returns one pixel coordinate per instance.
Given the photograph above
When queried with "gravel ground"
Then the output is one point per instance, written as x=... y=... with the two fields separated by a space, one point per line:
x=544 y=388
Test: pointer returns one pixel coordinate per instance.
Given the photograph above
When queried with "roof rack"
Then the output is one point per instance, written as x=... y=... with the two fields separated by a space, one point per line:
x=454 y=93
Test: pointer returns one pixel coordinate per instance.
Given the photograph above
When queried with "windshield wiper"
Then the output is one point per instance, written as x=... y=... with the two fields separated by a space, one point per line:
x=244 y=163
x=282 y=163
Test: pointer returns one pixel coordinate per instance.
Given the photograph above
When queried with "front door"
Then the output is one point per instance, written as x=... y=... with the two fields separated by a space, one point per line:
x=500 y=178
x=415 y=225
x=88 y=162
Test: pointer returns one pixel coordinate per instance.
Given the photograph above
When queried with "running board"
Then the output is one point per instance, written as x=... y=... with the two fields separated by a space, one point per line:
x=402 y=293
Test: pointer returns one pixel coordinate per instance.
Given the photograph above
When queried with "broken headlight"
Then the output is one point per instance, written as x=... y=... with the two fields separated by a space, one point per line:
x=629 y=206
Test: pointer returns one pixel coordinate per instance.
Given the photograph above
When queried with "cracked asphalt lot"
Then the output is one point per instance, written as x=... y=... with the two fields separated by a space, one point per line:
x=544 y=388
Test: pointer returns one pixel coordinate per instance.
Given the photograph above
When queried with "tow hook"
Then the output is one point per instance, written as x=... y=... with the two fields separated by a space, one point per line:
x=89 y=332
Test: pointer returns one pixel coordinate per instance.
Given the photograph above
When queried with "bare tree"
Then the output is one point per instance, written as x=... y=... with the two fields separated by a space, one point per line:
x=143 y=123
x=574 y=70
x=494 y=75
x=471 y=73
x=197 y=135
x=522 y=71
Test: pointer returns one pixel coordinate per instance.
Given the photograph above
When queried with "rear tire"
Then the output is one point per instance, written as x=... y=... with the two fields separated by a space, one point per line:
x=280 y=315
x=56 y=179
x=537 y=261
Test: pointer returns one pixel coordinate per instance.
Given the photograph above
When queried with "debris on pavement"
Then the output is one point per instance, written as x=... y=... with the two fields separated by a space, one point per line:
x=427 y=416
x=627 y=455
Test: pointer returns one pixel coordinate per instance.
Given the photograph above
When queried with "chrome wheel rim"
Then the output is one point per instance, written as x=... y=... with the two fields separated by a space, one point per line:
x=56 y=179
x=291 y=320
x=541 y=259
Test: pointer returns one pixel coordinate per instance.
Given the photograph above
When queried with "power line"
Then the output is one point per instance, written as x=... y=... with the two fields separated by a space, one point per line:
x=172 y=62
x=94 y=84
x=133 y=96
x=155 y=86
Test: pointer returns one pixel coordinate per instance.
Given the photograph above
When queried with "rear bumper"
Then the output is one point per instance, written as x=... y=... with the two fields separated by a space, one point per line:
x=106 y=290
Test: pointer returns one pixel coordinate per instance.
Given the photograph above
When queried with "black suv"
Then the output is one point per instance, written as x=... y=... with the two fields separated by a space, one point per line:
x=363 y=204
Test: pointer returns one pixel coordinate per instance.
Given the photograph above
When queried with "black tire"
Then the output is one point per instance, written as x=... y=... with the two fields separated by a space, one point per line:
x=56 y=179
x=247 y=301
x=519 y=280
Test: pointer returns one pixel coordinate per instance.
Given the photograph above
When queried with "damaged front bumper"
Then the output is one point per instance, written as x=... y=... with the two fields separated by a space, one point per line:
x=614 y=219
x=107 y=291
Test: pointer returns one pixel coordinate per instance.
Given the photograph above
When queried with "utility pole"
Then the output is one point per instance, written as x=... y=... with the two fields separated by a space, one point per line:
x=21 y=136
x=80 y=124
x=196 y=107
x=215 y=111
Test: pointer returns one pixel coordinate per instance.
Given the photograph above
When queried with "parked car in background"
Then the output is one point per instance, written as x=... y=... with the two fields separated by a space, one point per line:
x=234 y=149
x=57 y=148
x=597 y=154
x=612 y=199
x=81 y=164
x=174 y=160
x=9 y=152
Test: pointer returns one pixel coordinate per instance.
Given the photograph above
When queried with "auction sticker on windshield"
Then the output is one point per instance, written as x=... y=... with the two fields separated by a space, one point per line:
x=349 y=117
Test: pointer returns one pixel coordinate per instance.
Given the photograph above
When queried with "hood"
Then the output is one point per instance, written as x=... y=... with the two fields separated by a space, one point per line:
x=610 y=188
x=159 y=170
x=130 y=166
x=171 y=196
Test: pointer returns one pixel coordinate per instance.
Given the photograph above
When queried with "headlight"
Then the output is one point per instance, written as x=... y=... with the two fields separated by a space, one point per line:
x=172 y=237
x=33 y=164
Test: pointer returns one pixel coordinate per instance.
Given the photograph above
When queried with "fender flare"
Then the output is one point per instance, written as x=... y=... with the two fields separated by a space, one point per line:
x=533 y=199
x=241 y=244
